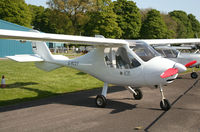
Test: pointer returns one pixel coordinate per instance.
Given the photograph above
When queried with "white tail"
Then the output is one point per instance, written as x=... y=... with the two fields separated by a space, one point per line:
x=41 y=49
x=42 y=56
x=50 y=61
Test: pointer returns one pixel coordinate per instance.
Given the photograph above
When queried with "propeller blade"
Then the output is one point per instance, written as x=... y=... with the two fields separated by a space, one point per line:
x=169 y=72
x=190 y=63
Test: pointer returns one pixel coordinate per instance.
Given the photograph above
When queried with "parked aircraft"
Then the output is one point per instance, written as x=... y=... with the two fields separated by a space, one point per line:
x=112 y=61
x=177 y=56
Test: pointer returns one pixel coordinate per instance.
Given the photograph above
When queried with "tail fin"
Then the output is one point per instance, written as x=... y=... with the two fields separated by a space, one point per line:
x=41 y=49
x=49 y=63
x=42 y=56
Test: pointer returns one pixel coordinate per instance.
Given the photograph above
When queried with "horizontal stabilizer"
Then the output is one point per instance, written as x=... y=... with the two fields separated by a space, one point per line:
x=25 y=58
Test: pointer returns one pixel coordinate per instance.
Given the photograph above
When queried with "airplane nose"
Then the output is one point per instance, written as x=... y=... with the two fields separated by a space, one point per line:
x=180 y=67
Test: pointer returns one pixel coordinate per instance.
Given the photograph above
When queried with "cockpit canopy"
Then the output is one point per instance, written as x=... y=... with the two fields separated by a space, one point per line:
x=120 y=58
x=143 y=50
x=167 y=52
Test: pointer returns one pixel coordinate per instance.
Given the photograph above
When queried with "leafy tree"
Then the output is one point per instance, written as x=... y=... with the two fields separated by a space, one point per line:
x=16 y=11
x=144 y=12
x=103 y=22
x=76 y=10
x=195 y=25
x=129 y=18
x=171 y=26
x=153 y=27
x=184 y=27
x=37 y=12
x=54 y=21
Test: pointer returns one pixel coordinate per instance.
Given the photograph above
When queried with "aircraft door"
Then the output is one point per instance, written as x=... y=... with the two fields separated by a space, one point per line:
x=119 y=63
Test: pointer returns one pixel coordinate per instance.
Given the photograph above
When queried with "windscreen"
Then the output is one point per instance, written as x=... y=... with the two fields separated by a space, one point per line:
x=167 y=52
x=144 y=51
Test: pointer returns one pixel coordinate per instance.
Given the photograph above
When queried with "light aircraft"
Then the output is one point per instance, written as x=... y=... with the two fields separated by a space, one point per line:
x=173 y=54
x=112 y=61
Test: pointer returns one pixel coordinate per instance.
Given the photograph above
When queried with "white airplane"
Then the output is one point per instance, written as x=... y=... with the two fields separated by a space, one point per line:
x=112 y=61
x=173 y=54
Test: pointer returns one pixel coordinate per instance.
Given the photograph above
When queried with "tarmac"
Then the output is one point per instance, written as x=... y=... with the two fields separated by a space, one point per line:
x=76 y=112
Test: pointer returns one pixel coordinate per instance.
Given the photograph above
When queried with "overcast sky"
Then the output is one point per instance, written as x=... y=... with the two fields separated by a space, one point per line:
x=189 y=6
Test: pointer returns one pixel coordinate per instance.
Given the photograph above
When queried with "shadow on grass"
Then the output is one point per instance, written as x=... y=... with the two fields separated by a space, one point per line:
x=81 y=73
x=84 y=98
x=20 y=84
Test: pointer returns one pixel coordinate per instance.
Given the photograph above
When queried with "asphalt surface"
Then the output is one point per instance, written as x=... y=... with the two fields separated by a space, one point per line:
x=74 y=112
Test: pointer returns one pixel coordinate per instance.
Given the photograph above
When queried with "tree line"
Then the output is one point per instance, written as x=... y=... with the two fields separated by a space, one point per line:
x=112 y=19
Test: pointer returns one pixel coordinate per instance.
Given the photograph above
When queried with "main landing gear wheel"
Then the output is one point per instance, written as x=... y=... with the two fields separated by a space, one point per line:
x=194 y=75
x=139 y=94
x=165 y=105
x=100 y=101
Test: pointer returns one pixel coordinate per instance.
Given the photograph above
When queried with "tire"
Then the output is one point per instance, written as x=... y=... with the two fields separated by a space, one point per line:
x=166 y=106
x=194 y=75
x=100 y=101
x=139 y=94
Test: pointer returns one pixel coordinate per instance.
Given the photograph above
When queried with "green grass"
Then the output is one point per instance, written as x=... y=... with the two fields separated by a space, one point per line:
x=25 y=82
x=190 y=70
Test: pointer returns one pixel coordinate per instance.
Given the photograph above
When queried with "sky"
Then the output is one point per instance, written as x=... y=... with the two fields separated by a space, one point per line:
x=165 y=6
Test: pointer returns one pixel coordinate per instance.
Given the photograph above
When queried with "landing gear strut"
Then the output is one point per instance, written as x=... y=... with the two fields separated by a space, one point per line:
x=101 y=100
x=137 y=93
x=164 y=103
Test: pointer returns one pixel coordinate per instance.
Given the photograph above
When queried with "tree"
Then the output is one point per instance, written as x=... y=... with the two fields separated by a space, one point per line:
x=195 y=25
x=16 y=11
x=103 y=22
x=37 y=12
x=184 y=27
x=171 y=26
x=53 y=21
x=153 y=27
x=128 y=18
x=76 y=10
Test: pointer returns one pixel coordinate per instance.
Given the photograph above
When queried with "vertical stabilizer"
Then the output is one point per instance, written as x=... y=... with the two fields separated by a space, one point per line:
x=41 y=49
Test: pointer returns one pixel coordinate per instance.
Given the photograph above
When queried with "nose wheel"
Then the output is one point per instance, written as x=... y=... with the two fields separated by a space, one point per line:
x=164 y=103
x=194 y=75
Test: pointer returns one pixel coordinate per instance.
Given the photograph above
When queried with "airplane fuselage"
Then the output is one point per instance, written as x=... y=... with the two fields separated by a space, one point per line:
x=147 y=74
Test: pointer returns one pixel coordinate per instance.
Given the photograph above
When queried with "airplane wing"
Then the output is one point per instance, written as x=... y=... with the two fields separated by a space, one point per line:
x=47 y=37
x=171 y=41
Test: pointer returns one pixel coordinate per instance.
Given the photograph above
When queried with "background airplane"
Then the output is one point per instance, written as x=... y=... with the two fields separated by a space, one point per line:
x=173 y=54
x=112 y=61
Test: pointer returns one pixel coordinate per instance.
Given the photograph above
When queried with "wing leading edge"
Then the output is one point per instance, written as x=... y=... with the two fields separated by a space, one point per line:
x=171 y=41
x=47 y=37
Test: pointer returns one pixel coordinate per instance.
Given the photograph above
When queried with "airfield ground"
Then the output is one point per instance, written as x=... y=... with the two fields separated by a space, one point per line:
x=77 y=112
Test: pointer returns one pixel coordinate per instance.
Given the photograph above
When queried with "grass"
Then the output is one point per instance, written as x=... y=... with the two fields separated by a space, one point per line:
x=25 y=82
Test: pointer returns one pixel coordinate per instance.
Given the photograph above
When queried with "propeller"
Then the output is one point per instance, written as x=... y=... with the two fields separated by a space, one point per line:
x=172 y=71
x=190 y=63
x=169 y=72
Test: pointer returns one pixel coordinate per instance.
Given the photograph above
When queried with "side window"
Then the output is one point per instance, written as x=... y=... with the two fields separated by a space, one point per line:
x=161 y=52
x=119 y=58
x=169 y=53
